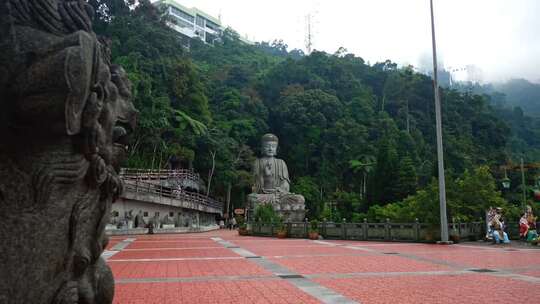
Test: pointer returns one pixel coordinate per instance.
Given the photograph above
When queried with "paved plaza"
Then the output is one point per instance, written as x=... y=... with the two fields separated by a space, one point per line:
x=222 y=267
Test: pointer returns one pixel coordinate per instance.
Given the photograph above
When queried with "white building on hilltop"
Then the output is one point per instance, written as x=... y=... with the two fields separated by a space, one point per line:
x=192 y=22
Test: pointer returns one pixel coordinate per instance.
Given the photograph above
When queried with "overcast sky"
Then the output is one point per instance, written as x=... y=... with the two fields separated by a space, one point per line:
x=500 y=37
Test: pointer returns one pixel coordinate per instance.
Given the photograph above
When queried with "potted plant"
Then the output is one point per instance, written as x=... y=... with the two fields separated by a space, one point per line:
x=281 y=231
x=313 y=230
x=454 y=237
x=432 y=233
x=242 y=229
x=242 y=226
x=454 y=232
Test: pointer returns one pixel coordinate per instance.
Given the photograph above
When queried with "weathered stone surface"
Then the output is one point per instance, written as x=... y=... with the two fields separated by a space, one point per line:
x=271 y=183
x=65 y=112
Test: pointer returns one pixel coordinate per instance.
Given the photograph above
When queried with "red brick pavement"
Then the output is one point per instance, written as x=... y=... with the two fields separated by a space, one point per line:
x=292 y=250
x=173 y=253
x=200 y=270
x=450 y=289
x=184 y=269
x=532 y=273
x=144 y=244
x=487 y=259
x=222 y=292
x=349 y=264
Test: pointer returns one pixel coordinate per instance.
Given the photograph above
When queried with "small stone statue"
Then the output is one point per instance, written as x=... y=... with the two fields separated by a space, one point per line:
x=271 y=183
x=167 y=220
x=139 y=220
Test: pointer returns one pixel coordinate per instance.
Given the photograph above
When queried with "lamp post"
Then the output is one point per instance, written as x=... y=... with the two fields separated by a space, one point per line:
x=536 y=192
x=505 y=181
x=440 y=161
x=523 y=186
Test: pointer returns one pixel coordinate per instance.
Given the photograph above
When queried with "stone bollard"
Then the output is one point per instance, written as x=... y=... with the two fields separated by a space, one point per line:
x=416 y=230
x=387 y=236
x=365 y=227
x=344 y=229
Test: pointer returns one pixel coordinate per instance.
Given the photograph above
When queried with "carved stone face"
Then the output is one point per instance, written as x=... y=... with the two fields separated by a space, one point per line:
x=269 y=148
x=74 y=111
x=118 y=117
x=125 y=112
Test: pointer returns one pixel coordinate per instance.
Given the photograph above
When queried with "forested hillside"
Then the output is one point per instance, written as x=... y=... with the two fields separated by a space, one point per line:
x=512 y=93
x=357 y=136
x=516 y=102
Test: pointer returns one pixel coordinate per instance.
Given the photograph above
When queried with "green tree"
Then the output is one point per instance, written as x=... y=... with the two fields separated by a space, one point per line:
x=307 y=186
x=386 y=172
x=407 y=180
x=468 y=197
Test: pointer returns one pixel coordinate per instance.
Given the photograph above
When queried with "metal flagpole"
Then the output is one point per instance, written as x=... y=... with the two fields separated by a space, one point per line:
x=440 y=161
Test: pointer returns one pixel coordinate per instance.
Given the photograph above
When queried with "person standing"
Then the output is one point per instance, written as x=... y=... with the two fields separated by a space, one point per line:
x=233 y=223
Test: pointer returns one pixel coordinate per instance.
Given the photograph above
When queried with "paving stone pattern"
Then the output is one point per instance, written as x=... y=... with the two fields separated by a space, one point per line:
x=222 y=267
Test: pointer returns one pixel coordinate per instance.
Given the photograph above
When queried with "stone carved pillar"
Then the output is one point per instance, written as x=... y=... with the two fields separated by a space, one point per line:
x=65 y=113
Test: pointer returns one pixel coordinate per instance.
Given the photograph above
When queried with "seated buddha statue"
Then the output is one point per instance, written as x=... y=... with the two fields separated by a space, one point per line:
x=271 y=183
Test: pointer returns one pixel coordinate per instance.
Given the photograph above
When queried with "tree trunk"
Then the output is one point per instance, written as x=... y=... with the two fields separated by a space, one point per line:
x=211 y=173
x=408 y=122
x=160 y=157
x=154 y=156
x=135 y=146
x=229 y=186
x=364 y=183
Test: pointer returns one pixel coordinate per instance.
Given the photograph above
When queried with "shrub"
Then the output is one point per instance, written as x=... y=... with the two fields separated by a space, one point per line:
x=314 y=226
x=266 y=214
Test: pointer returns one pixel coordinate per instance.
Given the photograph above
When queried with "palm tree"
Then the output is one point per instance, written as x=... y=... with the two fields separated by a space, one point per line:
x=365 y=164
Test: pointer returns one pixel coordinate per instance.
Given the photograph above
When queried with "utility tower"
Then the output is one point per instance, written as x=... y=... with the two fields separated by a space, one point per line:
x=309 y=33
x=310 y=28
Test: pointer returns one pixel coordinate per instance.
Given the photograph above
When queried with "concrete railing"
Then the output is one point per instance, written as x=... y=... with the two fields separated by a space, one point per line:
x=158 y=174
x=135 y=231
x=138 y=186
x=416 y=232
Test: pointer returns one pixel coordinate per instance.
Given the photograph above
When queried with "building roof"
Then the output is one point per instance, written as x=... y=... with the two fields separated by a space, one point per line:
x=191 y=11
x=205 y=15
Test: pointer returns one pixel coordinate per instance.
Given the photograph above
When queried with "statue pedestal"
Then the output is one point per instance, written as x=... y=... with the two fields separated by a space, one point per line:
x=292 y=215
x=288 y=216
x=290 y=208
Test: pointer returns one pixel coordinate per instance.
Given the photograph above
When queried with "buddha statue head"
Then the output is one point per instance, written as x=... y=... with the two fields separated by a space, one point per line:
x=269 y=144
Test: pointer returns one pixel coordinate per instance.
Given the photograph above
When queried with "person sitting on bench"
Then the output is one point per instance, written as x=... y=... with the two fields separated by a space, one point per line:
x=499 y=236
x=527 y=226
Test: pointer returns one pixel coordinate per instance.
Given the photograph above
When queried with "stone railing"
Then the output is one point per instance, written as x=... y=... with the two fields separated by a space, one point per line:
x=387 y=231
x=139 y=186
x=135 y=231
x=158 y=174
